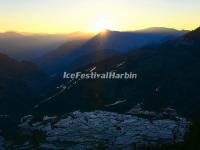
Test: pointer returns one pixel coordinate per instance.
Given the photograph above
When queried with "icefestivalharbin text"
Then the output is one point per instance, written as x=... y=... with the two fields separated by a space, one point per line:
x=95 y=75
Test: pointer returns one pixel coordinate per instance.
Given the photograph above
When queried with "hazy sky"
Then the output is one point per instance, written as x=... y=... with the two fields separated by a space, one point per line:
x=61 y=16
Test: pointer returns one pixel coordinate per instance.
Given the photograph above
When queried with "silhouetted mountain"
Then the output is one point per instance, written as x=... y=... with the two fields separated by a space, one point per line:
x=102 y=46
x=162 y=30
x=19 y=81
x=24 y=46
x=56 y=60
x=194 y=35
x=124 y=41
x=159 y=68
x=168 y=76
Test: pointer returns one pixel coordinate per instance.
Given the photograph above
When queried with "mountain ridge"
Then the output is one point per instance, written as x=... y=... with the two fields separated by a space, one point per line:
x=168 y=76
x=18 y=82
x=118 y=42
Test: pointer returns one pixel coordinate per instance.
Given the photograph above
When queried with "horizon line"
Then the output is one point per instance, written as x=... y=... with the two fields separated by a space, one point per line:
x=88 y=32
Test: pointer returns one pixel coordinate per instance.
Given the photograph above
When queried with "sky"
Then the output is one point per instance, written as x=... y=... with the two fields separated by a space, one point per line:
x=66 y=16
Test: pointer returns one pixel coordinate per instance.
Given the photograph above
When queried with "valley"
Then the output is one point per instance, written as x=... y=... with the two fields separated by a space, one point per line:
x=109 y=113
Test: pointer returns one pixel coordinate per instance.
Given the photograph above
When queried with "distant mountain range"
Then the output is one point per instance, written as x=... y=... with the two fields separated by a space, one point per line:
x=168 y=76
x=167 y=67
x=104 y=45
x=162 y=30
x=26 y=46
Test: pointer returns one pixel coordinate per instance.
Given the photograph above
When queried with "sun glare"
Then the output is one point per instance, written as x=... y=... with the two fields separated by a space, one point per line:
x=102 y=25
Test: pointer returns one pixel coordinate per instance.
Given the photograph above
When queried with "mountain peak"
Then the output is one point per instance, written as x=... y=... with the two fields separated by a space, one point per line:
x=194 y=35
x=105 y=31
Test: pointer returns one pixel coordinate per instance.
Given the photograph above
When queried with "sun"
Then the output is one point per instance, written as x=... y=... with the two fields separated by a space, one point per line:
x=102 y=25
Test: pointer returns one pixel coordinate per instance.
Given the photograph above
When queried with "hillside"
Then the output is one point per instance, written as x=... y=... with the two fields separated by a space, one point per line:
x=102 y=46
x=26 y=46
x=168 y=76
x=18 y=82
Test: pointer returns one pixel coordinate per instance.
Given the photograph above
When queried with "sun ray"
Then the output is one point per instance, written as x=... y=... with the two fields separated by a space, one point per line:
x=102 y=25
